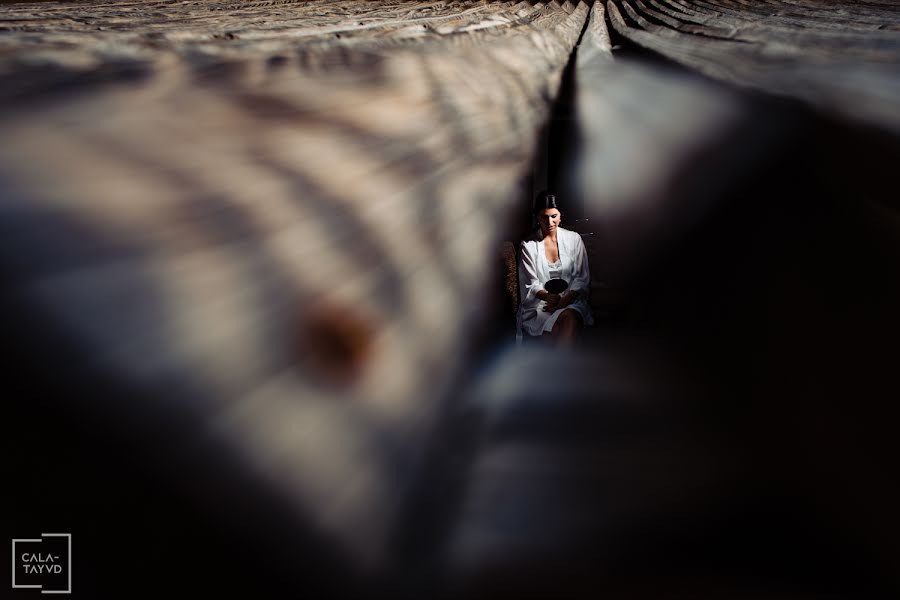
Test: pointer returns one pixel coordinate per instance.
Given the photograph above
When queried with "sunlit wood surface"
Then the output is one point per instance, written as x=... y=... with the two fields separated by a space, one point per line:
x=843 y=57
x=262 y=238
x=272 y=218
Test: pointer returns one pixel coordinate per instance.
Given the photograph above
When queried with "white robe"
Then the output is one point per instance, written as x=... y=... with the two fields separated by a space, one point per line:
x=534 y=272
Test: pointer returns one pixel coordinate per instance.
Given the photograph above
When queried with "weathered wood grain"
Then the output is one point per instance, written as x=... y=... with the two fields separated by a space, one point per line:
x=643 y=129
x=270 y=220
x=257 y=236
x=843 y=58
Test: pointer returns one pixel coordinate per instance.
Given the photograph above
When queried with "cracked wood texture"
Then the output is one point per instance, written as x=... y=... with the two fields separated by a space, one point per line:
x=256 y=236
x=843 y=57
x=266 y=222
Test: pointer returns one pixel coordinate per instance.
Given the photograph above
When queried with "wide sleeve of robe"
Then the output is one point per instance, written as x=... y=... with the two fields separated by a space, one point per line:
x=530 y=280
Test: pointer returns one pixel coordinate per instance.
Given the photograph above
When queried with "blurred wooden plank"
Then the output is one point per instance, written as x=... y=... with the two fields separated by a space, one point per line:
x=843 y=59
x=273 y=232
x=656 y=151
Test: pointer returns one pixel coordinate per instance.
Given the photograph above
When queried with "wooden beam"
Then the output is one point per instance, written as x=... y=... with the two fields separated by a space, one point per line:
x=843 y=58
x=271 y=221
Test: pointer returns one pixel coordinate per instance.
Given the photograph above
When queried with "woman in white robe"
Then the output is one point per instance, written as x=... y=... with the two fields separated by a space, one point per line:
x=553 y=253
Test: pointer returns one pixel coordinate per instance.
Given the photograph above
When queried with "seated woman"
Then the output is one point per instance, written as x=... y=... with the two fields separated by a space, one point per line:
x=553 y=253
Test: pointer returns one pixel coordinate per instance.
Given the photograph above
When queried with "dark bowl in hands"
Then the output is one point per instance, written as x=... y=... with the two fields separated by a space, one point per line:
x=556 y=286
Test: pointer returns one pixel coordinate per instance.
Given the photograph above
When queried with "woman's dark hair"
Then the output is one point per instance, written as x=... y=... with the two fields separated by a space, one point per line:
x=545 y=199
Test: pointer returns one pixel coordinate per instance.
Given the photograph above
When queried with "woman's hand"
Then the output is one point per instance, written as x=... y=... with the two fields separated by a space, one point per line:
x=567 y=299
x=551 y=302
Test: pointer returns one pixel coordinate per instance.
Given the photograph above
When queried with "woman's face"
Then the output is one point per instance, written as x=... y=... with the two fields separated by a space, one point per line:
x=549 y=220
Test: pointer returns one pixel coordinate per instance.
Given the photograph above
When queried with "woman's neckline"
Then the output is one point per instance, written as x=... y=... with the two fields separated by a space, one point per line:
x=558 y=251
